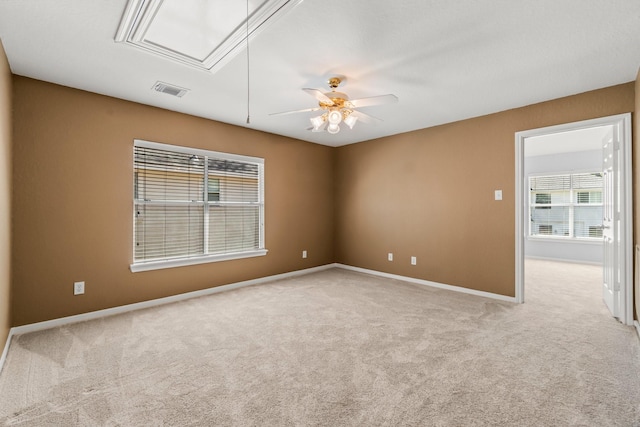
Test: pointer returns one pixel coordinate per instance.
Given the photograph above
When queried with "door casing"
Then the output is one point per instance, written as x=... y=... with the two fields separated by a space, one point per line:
x=623 y=122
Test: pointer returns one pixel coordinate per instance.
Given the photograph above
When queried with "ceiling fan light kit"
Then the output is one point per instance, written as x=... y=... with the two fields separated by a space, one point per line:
x=333 y=128
x=350 y=121
x=317 y=122
x=335 y=117
x=337 y=108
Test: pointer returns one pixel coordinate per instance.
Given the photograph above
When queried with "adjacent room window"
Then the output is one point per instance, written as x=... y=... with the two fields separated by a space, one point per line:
x=193 y=206
x=566 y=206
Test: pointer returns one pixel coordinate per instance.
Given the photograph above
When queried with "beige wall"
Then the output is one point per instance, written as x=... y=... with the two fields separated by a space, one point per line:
x=430 y=194
x=427 y=193
x=5 y=197
x=73 y=178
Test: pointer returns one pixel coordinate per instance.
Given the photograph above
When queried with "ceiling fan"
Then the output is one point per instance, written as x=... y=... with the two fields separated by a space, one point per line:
x=336 y=108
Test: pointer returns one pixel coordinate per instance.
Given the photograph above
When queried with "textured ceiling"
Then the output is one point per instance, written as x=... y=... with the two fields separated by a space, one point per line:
x=567 y=142
x=445 y=60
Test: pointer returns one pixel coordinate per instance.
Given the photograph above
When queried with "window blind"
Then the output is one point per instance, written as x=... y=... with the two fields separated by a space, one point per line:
x=566 y=205
x=193 y=204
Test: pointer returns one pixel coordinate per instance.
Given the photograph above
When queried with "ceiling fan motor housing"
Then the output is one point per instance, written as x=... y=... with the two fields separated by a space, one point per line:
x=334 y=82
x=339 y=100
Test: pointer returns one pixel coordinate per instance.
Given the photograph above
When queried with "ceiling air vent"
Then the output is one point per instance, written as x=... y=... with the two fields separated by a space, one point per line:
x=170 y=89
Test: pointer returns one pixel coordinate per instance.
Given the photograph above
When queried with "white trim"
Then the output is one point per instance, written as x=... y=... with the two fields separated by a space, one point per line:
x=6 y=349
x=429 y=283
x=197 y=151
x=624 y=121
x=157 y=265
x=521 y=233
x=563 y=171
x=200 y=258
x=571 y=261
x=627 y=240
x=33 y=327
x=593 y=241
x=93 y=315
x=139 y=16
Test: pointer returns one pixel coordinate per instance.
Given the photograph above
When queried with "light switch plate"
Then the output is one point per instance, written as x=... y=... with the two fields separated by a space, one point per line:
x=498 y=194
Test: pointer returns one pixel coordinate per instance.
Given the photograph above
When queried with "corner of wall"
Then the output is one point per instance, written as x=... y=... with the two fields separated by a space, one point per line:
x=5 y=197
x=334 y=210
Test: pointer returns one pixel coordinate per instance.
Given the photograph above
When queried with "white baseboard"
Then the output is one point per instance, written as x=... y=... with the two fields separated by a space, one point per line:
x=6 y=349
x=33 y=327
x=18 y=330
x=429 y=283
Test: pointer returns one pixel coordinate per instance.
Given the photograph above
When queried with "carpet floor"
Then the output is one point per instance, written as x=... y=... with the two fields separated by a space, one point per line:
x=338 y=348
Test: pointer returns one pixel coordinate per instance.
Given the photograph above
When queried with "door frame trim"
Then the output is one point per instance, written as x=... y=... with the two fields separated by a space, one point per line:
x=623 y=121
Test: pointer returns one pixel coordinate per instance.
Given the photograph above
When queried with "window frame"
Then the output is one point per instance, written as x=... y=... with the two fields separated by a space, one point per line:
x=205 y=257
x=571 y=205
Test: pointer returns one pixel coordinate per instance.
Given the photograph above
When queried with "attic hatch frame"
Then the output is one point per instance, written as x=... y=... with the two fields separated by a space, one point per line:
x=140 y=16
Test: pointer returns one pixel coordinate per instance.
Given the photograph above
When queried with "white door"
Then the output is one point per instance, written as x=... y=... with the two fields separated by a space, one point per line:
x=612 y=227
x=611 y=223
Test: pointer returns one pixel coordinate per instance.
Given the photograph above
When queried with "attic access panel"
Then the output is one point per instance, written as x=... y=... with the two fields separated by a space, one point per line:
x=203 y=34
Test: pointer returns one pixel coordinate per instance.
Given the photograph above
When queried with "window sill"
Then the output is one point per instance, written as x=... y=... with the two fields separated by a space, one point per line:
x=181 y=262
x=571 y=240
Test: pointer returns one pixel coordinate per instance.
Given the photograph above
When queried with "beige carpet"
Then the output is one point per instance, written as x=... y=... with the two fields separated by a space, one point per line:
x=338 y=348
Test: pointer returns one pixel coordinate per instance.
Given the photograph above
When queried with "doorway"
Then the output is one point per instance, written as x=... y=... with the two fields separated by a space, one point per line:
x=571 y=223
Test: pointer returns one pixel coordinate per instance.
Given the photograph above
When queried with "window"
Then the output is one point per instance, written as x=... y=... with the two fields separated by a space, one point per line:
x=543 y=199
x=566 y=206
x=193 y=206
x=595 y=231
x=213 y=192
x=545 y=229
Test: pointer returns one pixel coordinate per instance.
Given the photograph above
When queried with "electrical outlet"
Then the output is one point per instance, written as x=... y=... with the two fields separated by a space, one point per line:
x=414 y=260
x=78 y=288
x=304 y=254
x=390 y=256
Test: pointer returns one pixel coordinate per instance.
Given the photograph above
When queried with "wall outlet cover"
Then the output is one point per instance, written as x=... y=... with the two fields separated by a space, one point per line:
x=78 y=288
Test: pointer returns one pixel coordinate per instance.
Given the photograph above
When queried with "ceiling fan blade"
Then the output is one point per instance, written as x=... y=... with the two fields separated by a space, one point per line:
x=320 y=96
x=374 y=100
x=296 y=111
x=365 y=118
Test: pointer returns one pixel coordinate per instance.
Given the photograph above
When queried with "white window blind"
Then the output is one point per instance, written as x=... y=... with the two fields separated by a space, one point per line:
x=193 y=206
x=566 y=206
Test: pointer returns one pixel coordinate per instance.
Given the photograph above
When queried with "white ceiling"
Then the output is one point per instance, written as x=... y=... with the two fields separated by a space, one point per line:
x=566 y=142
x=445 y=60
